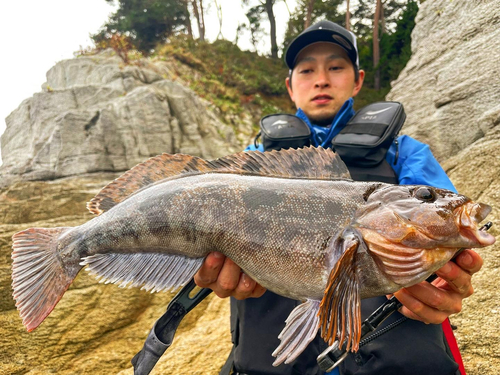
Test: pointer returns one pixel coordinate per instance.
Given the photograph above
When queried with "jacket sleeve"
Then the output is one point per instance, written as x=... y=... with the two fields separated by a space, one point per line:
x=415 y=164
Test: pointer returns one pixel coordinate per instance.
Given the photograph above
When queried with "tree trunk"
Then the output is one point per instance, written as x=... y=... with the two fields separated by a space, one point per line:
x=188 y=20
x=218 y=8
x=310 y=7
x=199 y=19
x=202 y=12
x=382 y=19
x=272 y=21
x=348 y=17
x=376 y=45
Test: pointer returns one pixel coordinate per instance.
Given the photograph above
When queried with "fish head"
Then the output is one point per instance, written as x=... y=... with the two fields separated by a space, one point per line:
x=424 y=217
x=414 y=230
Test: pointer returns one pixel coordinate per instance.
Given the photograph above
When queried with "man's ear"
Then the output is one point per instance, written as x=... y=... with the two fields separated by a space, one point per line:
x=289 y=88
x=359 y=83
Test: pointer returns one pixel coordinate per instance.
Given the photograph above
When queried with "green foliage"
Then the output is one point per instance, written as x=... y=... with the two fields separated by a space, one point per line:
x=395 y=48
x=146 y=22
x=323 y=9
x=232 y=79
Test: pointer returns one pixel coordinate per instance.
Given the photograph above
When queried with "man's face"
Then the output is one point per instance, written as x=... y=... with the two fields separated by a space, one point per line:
x=322 y=80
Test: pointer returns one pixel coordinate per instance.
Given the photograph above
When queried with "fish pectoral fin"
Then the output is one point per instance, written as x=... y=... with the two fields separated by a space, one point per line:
x=301 y=327
x=153 y=272
x=340 y=308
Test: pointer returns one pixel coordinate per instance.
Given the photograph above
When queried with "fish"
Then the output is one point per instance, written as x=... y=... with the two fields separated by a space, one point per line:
x=293 y=220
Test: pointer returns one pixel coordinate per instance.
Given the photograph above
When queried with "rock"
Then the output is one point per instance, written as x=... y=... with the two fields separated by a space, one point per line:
x=96 y=115
x=451 y=92
x=451 y=86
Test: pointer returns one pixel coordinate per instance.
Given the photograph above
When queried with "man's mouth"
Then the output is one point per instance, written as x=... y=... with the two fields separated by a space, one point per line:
x=322 y=99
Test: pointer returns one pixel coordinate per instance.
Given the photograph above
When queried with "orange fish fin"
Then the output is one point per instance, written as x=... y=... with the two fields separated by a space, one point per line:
x=144 y=174
x=340 y=308
x=38 y=277
x=153 y=272
x=301 y=327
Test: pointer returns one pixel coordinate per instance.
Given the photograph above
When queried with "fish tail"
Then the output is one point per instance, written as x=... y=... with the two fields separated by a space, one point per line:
x=39 y=278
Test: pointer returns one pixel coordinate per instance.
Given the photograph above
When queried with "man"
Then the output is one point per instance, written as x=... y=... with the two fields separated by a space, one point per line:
x=324 y=76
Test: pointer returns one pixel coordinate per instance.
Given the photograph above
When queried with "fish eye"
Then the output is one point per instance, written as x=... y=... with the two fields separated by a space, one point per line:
x=425 y=194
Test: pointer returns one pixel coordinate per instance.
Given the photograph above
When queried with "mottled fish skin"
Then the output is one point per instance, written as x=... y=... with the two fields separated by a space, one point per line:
x=278 y=230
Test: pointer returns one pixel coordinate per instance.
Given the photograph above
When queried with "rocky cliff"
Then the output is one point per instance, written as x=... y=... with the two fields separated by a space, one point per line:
x=96 y=114
x=451 y=86
x=96 y=117
x=451 y=92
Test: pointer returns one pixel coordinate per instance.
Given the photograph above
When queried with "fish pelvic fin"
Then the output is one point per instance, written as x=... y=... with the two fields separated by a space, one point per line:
x=340 y=308
x=307 y=163
x=153 y=272
x=39 y=279
x=301 y=327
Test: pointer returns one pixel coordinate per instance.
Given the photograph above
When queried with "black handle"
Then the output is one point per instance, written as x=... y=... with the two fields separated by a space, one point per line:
x=162 y=334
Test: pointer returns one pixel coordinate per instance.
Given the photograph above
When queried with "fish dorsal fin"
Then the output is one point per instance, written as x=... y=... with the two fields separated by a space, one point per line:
x=307 y=163
x=144 y=174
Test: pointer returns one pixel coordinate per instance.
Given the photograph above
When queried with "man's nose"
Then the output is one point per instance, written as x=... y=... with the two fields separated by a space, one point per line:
x=322 y=80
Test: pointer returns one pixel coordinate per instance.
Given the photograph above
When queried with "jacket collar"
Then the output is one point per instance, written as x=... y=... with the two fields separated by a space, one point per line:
x=323 y=135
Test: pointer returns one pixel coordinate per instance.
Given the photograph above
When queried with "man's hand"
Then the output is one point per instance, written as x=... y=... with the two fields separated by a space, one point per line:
x=433 y=303
x=225 y=278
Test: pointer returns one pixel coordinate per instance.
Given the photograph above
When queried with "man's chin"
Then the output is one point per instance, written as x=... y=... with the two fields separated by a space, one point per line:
x=322 y=120
x=322 y=117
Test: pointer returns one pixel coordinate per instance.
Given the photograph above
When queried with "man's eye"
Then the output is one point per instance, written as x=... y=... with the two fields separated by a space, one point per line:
x=335 y=68
x=305 y=71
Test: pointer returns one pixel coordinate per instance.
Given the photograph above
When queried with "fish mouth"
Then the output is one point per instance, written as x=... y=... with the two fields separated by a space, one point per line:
x=470 y=216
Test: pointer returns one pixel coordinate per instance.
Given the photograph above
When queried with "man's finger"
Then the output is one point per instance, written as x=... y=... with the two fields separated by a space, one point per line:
x=457 y=278
x=447 y=301
x=209 y=271
x=415 y=308
x=245 y=287
x=228 y=280
x=470 y=261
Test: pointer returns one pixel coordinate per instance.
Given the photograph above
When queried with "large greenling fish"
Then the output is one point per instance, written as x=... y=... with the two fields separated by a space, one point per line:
x=292 y=220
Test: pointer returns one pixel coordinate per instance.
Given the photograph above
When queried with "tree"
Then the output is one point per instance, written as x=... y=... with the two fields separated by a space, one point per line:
x=272 y=21
x=254 y=15
x=199 y=14
x=376 y=45
x=325 y=9
x=310 y=6
x=348 y=16
x=188 y=19
x=147 y=22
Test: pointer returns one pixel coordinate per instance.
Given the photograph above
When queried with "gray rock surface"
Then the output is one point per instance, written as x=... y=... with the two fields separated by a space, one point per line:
x=451 y=86
x=95 y=114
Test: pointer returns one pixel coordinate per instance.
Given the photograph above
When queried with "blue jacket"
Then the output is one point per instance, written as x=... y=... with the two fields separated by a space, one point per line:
x=415 y=164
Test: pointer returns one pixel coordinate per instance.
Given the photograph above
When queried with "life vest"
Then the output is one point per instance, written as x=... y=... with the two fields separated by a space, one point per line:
x=409 y=346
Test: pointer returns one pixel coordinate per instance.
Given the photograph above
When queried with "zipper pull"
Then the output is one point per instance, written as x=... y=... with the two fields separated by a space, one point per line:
x=397 y=152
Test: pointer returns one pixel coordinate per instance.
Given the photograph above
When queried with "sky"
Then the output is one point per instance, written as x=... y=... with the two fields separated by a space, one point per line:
x=36 y=34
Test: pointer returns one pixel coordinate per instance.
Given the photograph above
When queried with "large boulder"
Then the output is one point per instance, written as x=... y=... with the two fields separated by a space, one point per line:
x=451 y=86
x=96 y=114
